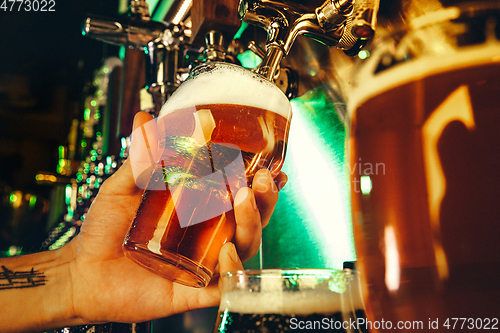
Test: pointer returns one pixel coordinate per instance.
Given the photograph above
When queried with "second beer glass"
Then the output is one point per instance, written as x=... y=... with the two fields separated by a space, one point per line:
x=291 y=300
x=220 y=127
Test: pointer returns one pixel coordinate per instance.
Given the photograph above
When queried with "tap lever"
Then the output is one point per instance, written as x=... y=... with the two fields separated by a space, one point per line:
x=252 y=46
x=123 y=31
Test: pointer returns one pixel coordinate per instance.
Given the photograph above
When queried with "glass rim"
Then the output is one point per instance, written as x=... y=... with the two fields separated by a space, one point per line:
x=200 y=66
x=279 y=272
x=275 y=98
x=445 y=14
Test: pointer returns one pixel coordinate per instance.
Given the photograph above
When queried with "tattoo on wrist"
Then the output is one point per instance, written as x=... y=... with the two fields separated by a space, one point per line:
x=22 y=279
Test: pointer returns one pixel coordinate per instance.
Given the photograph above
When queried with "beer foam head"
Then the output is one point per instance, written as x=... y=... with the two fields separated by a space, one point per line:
x=225 y=83
x=288 y=303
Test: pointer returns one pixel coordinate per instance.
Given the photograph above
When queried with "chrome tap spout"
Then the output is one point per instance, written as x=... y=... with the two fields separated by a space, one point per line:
x=284 y=21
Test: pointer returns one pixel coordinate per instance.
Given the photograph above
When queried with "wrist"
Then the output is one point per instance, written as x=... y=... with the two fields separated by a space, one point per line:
x=59 y=309
x=37 y=292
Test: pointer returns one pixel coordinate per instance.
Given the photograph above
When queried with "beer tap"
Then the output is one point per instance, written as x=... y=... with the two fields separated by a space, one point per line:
x=162 y=43
x=214 y=50
x=283 y=21
x=163 y=58
x=134 y=30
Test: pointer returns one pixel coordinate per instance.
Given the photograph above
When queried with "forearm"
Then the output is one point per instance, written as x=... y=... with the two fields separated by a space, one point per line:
x=36 y=292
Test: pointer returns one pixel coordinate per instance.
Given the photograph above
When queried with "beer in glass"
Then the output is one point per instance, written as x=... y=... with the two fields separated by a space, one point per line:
x=220 y=127
x=291 y=300
x=424 y=158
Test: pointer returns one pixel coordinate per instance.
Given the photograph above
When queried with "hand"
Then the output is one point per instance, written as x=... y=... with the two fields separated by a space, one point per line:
x=107 y=286
x=91 y=281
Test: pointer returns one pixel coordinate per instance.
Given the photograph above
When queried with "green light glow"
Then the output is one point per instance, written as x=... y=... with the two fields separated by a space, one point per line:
x=62 y=151
x=242 y=29
x=93 y=103
x=86 y=114
x=63 y=239
x=13 y=198
x=314 y=207
x=161 y=10
x=67 y=193
x=249 y=59
x=70 y=213
x=14 y=251
x=121 y=53
x=152 y=5
x=322 y=194
x=363 y=54
x=32 y=201
x=366 y=184
x=124 y=143
x=173 y=177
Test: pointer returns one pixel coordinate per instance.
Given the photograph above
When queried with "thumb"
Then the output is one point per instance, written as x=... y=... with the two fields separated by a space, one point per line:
x=229 y=259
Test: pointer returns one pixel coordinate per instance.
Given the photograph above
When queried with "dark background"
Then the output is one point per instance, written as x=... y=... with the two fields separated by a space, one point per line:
x=46 y=68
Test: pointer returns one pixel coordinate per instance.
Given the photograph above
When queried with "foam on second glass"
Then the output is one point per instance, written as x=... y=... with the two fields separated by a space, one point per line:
x=228 y=84
x=286 y=303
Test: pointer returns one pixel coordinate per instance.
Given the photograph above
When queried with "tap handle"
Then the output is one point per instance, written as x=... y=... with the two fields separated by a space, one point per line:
x=134 y=30
x=123 y=31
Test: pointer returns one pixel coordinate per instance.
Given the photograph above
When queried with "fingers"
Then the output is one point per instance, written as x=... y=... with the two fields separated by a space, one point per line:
x=253 y=209
x=266 y=194
x=281 y=180
x=248 y=223
x=229 y=259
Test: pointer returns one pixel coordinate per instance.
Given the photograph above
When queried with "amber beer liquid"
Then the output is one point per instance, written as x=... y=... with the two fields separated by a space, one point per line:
x=427 y=226
x=209 y=151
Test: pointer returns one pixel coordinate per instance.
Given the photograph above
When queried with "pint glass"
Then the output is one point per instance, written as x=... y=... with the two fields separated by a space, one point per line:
x=220 y=127
x=424 y=158
x=293 y=300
